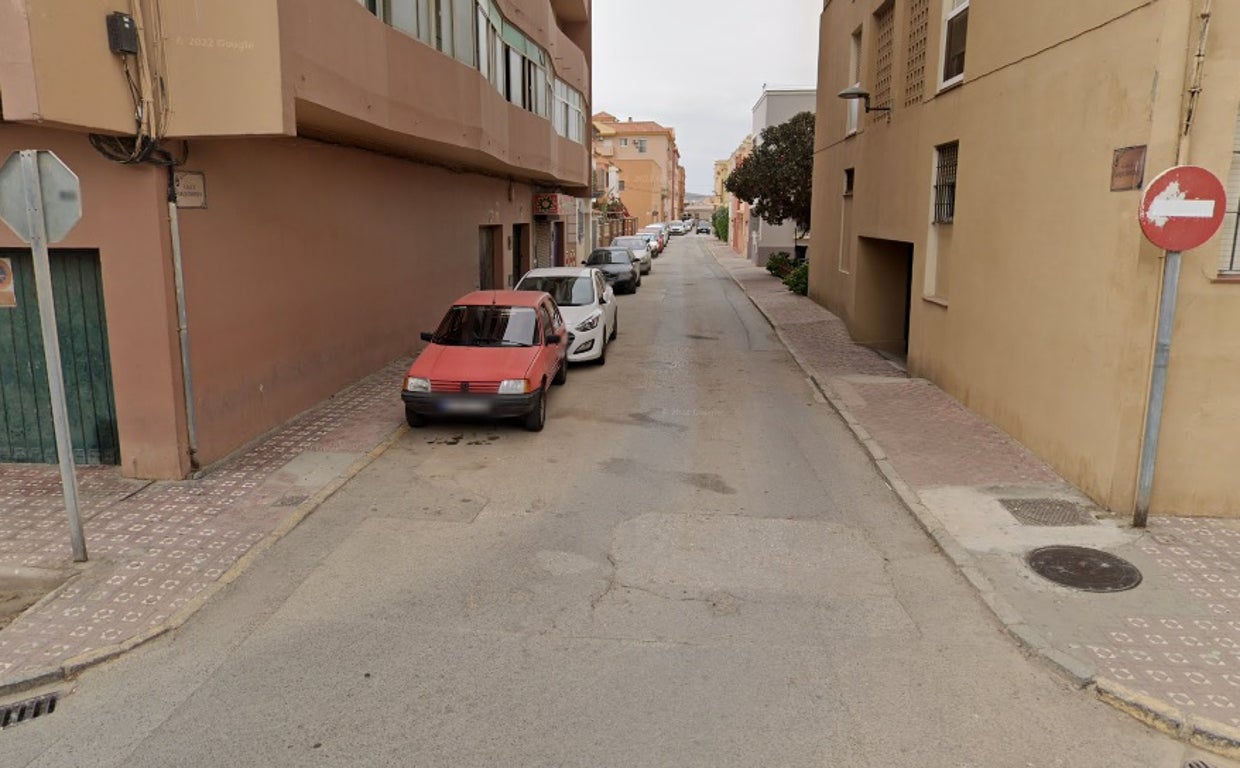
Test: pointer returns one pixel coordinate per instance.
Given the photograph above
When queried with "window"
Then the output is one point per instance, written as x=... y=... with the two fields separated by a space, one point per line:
x=641 y=145
x=1229 y=255
x=956 y=30
x=409 y=16
x=620 y=185
x=945 y=182
x=624 y=142
x=463 y=45
x=854 y=81
x=849 y=176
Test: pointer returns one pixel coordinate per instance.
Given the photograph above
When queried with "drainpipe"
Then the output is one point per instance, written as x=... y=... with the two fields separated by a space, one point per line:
x=187 y=379
x=1166 y=304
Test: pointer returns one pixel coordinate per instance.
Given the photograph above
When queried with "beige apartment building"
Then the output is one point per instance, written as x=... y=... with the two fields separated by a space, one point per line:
x=325 y=174
x=982 y=214
x=737 y=209
x=651 y=178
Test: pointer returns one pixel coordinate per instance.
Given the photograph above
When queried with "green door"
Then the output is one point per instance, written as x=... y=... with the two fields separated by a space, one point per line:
x=26 y=431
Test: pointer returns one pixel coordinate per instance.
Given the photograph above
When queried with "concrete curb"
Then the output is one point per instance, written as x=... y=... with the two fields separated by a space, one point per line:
x=1200 y=732
x=74 y=666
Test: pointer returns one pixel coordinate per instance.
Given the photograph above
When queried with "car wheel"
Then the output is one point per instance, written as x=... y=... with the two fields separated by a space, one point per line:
x=615 y=328
x=639 y=281
x=537 y=417
x=561 y=375
x=414 y=419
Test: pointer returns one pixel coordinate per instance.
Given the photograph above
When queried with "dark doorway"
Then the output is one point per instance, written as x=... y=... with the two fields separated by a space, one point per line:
x=26 y=430
x=557 y=244
x=520 y=251
x=490 y=265
x=884 y=294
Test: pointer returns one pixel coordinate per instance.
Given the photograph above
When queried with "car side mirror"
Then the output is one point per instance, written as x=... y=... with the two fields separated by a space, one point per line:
x=552 y=338
x=427 y=335
x=602 y=299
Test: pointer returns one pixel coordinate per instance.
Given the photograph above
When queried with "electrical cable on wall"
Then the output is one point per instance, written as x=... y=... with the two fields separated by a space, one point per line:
x=127 y=38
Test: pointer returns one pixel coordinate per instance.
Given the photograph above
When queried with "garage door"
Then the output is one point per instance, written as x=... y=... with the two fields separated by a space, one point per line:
x=26 y=431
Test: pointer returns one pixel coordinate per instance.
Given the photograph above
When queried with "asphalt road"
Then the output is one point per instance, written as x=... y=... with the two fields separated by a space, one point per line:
x=693 y=565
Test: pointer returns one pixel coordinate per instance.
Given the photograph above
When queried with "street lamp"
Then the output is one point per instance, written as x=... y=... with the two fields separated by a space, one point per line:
x=857 y=92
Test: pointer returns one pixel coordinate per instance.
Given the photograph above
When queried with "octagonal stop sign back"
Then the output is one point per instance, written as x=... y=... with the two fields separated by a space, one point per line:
x=60 y=196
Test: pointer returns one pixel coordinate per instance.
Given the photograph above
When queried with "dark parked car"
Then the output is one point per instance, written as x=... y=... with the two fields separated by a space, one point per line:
x=618 y=267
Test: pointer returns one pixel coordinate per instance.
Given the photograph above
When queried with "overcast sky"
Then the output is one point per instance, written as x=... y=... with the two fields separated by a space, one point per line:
x=698 y=66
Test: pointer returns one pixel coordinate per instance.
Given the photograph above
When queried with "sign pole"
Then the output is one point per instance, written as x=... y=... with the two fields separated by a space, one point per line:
x=1181 y=209
x=51 y=347
x=1158 y=387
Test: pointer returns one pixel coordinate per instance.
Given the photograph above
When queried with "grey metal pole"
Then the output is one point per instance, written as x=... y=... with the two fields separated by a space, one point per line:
x=187 y=378
x=51 y=347
x=1158 y=387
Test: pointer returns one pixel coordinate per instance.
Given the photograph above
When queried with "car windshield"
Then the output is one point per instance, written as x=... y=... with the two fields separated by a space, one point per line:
x=468 y=325
x=567 y=290
x=608 y=257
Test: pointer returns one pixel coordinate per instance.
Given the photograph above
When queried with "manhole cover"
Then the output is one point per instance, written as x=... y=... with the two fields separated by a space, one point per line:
x=1083 y=568
x=1047 y=512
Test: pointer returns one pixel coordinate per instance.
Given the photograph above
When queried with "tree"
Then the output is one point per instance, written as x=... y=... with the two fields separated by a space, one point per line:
x=777 y=178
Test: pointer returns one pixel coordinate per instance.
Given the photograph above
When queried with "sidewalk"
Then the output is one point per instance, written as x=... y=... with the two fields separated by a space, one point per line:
x=158 y=551
x=1166 y=652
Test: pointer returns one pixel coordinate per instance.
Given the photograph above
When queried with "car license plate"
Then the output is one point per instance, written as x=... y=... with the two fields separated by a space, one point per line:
x=464 y=405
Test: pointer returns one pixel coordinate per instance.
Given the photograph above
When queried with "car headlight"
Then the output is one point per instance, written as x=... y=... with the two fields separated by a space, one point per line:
x=415 y=384
x=590 y=323
x=514 y=386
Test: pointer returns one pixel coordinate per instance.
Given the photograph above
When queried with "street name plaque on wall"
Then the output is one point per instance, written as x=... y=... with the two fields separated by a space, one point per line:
x=1127 y=168
x=191 y=189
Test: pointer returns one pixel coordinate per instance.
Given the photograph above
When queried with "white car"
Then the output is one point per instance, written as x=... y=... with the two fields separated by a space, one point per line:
x=587 y=303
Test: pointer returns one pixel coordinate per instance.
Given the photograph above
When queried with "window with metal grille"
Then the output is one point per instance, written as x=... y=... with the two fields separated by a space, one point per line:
x=885 y=36
x=945 y=182
x=1229 y=255
x=954 y=36
x=915 y=68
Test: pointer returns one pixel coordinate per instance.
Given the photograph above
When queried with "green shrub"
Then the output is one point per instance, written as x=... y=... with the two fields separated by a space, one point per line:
x=779 y=264
x=798 y=279
x=719 y=219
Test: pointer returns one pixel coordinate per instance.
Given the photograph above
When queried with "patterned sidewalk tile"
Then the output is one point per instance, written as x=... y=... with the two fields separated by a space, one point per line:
x=156 y=546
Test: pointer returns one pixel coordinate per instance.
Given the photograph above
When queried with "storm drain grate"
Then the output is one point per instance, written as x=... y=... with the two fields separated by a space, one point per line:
x=12 y=714
x=1047 y=512
x=1197 y=764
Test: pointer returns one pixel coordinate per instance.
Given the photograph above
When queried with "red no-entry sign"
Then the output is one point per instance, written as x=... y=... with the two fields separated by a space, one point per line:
x=1182 y=208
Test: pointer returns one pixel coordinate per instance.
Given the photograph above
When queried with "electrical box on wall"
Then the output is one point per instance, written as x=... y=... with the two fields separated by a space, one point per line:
x=122 y=33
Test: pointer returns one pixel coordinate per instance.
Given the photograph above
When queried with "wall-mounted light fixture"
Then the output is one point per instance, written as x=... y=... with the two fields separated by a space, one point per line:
x=857 y=92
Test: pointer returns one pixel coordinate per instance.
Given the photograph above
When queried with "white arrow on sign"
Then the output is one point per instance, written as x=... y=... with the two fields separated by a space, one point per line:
x=1171 y=204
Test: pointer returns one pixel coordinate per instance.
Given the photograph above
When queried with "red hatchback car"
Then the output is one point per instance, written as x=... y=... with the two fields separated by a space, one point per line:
x=494 y=354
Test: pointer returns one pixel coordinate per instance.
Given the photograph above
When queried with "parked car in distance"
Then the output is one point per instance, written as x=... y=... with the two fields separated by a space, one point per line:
x=647 y=264
x=677 y=228
x=619 y=267
x=703 y=229
x=495 y=353
x=655 y=233
x=587 y=303
x=640 y=245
